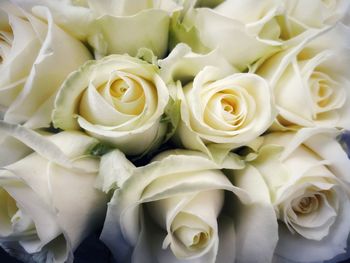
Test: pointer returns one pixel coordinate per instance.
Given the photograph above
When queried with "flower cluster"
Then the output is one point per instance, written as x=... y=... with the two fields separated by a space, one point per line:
x=189 y=131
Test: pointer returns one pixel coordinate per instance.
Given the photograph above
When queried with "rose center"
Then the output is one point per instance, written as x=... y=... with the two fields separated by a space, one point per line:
x=125 y=95
x=229 y=108
x=191 y=231
x=192 y=238
x=326 y=93
x=118 y=88
x=306 y=204
x=225 y=110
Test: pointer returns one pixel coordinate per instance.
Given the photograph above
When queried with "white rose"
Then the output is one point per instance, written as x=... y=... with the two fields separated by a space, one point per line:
x=243 y=31
x=306 y=173
x=171 y=210
x=220 y=108
x=48 y=201
x=34 y=63
x=303 y=15
x=118 y=99
x=310 y=82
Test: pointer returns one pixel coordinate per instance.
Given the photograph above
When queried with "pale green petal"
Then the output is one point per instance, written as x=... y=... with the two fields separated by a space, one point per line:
x=115 y=168
x=184 y=31
x=149 y=27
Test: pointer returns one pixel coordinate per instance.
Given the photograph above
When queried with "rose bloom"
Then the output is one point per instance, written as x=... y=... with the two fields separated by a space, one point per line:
x=171 y=211
x=118 y=99
x=307 y=174
x=220 y=109
x=310 y=82
x=48 y=203
x=33 y=64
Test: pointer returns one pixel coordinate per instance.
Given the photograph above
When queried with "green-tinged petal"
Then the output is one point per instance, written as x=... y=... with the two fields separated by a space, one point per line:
x=115 y=169
x=182 y=31
x=63 y=116
x=149 y=27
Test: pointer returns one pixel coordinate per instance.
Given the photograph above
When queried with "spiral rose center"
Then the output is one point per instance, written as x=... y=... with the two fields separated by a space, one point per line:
x=191 y=232
x=226 y=110
x=326 y=93
x=321 y=89
x=312 y=214
x=125 y=94
x=192 y=238
x=228 y=106
x=118 y=89
x=306 y=204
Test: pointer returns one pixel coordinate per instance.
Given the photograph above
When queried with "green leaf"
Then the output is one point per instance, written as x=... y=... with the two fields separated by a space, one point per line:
x=172 y=117
x=100 y=149
x=147 y=55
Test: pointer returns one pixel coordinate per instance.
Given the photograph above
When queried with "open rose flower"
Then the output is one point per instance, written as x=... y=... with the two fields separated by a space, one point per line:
x=220 y=108
x=306 y=174
x=118 y=99
x=171 y=211
x=310 y=82
x=33 y=64
x=48 y=202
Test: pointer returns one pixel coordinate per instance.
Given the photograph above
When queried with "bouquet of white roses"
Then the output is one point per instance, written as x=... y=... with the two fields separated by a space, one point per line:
x=189 y=131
